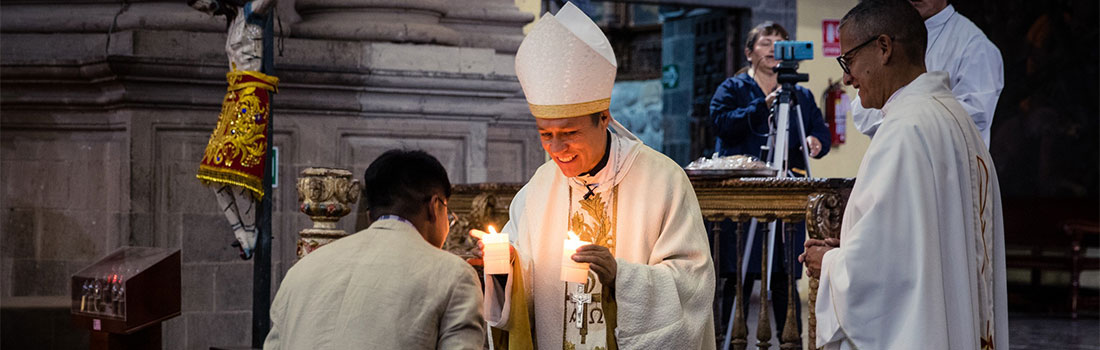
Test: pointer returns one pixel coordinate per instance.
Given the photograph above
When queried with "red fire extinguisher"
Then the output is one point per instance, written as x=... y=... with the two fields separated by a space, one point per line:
x=836 y=109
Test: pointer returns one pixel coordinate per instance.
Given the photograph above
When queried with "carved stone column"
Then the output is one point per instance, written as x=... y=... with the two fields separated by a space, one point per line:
x=326 y=195
x=397 y=21
x=492 y=24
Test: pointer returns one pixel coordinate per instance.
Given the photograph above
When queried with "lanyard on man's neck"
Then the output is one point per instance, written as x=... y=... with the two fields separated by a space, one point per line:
x=395 y=217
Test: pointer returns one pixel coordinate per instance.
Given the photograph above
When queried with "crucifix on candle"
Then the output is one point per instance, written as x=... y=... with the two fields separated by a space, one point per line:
x=580 y=300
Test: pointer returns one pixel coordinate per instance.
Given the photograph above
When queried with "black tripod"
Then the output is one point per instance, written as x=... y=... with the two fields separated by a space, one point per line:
x=777 y=153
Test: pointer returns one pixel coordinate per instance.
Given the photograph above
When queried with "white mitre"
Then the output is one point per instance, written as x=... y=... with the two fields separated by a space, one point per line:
x=566 y=66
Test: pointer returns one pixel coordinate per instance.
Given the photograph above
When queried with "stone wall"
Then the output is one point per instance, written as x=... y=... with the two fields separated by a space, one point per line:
x=100 y=143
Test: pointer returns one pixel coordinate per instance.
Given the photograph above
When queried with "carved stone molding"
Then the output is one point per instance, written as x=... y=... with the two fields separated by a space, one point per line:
x=326 y=195
x=495 y=24
x=396 y=21
x=100 y=16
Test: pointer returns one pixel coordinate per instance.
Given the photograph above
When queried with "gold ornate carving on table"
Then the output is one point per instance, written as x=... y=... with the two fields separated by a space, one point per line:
x=477 y=206
x=819 y=202
x=326 y=195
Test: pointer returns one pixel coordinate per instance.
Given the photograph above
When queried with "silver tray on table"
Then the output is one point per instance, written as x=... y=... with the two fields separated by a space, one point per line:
x=729 y=173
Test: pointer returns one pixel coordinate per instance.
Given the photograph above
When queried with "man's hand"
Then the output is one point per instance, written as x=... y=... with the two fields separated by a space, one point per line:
x=480 y=253
x=815 y=253
x=814 y=144
x=476 y=234
x=600 y=261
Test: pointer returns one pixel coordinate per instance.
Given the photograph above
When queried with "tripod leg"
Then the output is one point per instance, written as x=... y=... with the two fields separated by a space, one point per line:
x=771 y=252
x=748 y=248
x=780 y=143
x=805 y=147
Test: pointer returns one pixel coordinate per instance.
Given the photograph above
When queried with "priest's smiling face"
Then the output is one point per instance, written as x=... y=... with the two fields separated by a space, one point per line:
x=859 y=53
x=576 y=144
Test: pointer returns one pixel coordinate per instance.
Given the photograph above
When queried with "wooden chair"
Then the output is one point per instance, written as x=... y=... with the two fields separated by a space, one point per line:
x=1083 y=234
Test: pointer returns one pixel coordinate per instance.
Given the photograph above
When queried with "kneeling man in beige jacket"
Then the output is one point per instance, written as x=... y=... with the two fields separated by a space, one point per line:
x=389 y=286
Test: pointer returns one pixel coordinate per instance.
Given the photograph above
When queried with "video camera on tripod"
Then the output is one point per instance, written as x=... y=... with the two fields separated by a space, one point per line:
x=789 y=53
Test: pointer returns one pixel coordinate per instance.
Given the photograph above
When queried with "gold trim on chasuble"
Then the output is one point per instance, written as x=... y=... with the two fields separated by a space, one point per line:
x=986 y=341
x=602 y=308
x=237 y=150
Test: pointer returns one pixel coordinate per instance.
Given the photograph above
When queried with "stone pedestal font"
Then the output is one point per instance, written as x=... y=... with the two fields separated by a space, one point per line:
x=326 y=195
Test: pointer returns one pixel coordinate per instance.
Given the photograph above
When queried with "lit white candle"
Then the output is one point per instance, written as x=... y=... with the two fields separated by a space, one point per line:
x=496 y=252
x=572 y=271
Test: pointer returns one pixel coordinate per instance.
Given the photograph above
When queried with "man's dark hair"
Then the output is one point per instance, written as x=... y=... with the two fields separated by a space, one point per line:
x=894 y=18
x=399 y=182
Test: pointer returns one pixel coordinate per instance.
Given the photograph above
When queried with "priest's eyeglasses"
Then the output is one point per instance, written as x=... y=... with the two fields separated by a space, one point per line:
x=844 y=59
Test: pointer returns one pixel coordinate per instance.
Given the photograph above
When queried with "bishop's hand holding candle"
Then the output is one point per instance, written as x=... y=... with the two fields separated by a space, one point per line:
x=571 y=270
x=598 y=259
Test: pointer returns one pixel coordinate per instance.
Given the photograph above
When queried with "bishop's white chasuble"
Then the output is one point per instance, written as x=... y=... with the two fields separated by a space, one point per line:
x=642 y=207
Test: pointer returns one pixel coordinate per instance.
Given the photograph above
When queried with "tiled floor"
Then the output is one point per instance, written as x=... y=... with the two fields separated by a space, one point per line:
x=1026 y=331
x=1030 y=332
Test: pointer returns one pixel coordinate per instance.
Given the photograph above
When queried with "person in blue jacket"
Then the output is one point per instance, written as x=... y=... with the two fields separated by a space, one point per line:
x=740 y=112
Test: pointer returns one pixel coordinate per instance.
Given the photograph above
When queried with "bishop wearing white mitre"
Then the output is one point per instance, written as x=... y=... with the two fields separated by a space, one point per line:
x=651 y=279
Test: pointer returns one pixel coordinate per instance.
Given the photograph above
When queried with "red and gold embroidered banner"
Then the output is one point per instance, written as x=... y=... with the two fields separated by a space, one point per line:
x=237 y=151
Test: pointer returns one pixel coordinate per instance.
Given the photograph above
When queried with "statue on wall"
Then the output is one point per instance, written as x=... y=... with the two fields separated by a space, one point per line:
x=236 y=155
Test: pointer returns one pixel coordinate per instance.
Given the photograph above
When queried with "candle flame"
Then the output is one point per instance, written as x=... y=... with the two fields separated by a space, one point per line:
x=573 y=236
x=492 y=230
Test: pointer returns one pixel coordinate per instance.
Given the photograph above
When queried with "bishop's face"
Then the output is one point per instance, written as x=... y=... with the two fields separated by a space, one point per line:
x=575 y=144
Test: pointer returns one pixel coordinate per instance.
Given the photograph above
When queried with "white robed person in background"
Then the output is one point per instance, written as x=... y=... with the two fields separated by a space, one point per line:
x=651 y=282
x=920 y=262
x=958 y=47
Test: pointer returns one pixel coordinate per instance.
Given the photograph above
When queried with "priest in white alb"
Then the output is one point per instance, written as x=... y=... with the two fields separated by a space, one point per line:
x=651 y=280
x=920 y=260
x=958 y=47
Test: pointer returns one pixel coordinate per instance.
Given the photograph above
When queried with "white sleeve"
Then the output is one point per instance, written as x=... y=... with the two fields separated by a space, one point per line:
x=666 y=302
x=828 y=320
x=979 y=82
x=866 y=120
x=498 y=298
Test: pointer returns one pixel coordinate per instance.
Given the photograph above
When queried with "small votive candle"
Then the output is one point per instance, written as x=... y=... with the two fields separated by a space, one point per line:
x=496 y=255
x=572 y=271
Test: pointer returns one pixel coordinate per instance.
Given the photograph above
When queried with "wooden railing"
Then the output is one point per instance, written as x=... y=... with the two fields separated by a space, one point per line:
x=818 y=202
